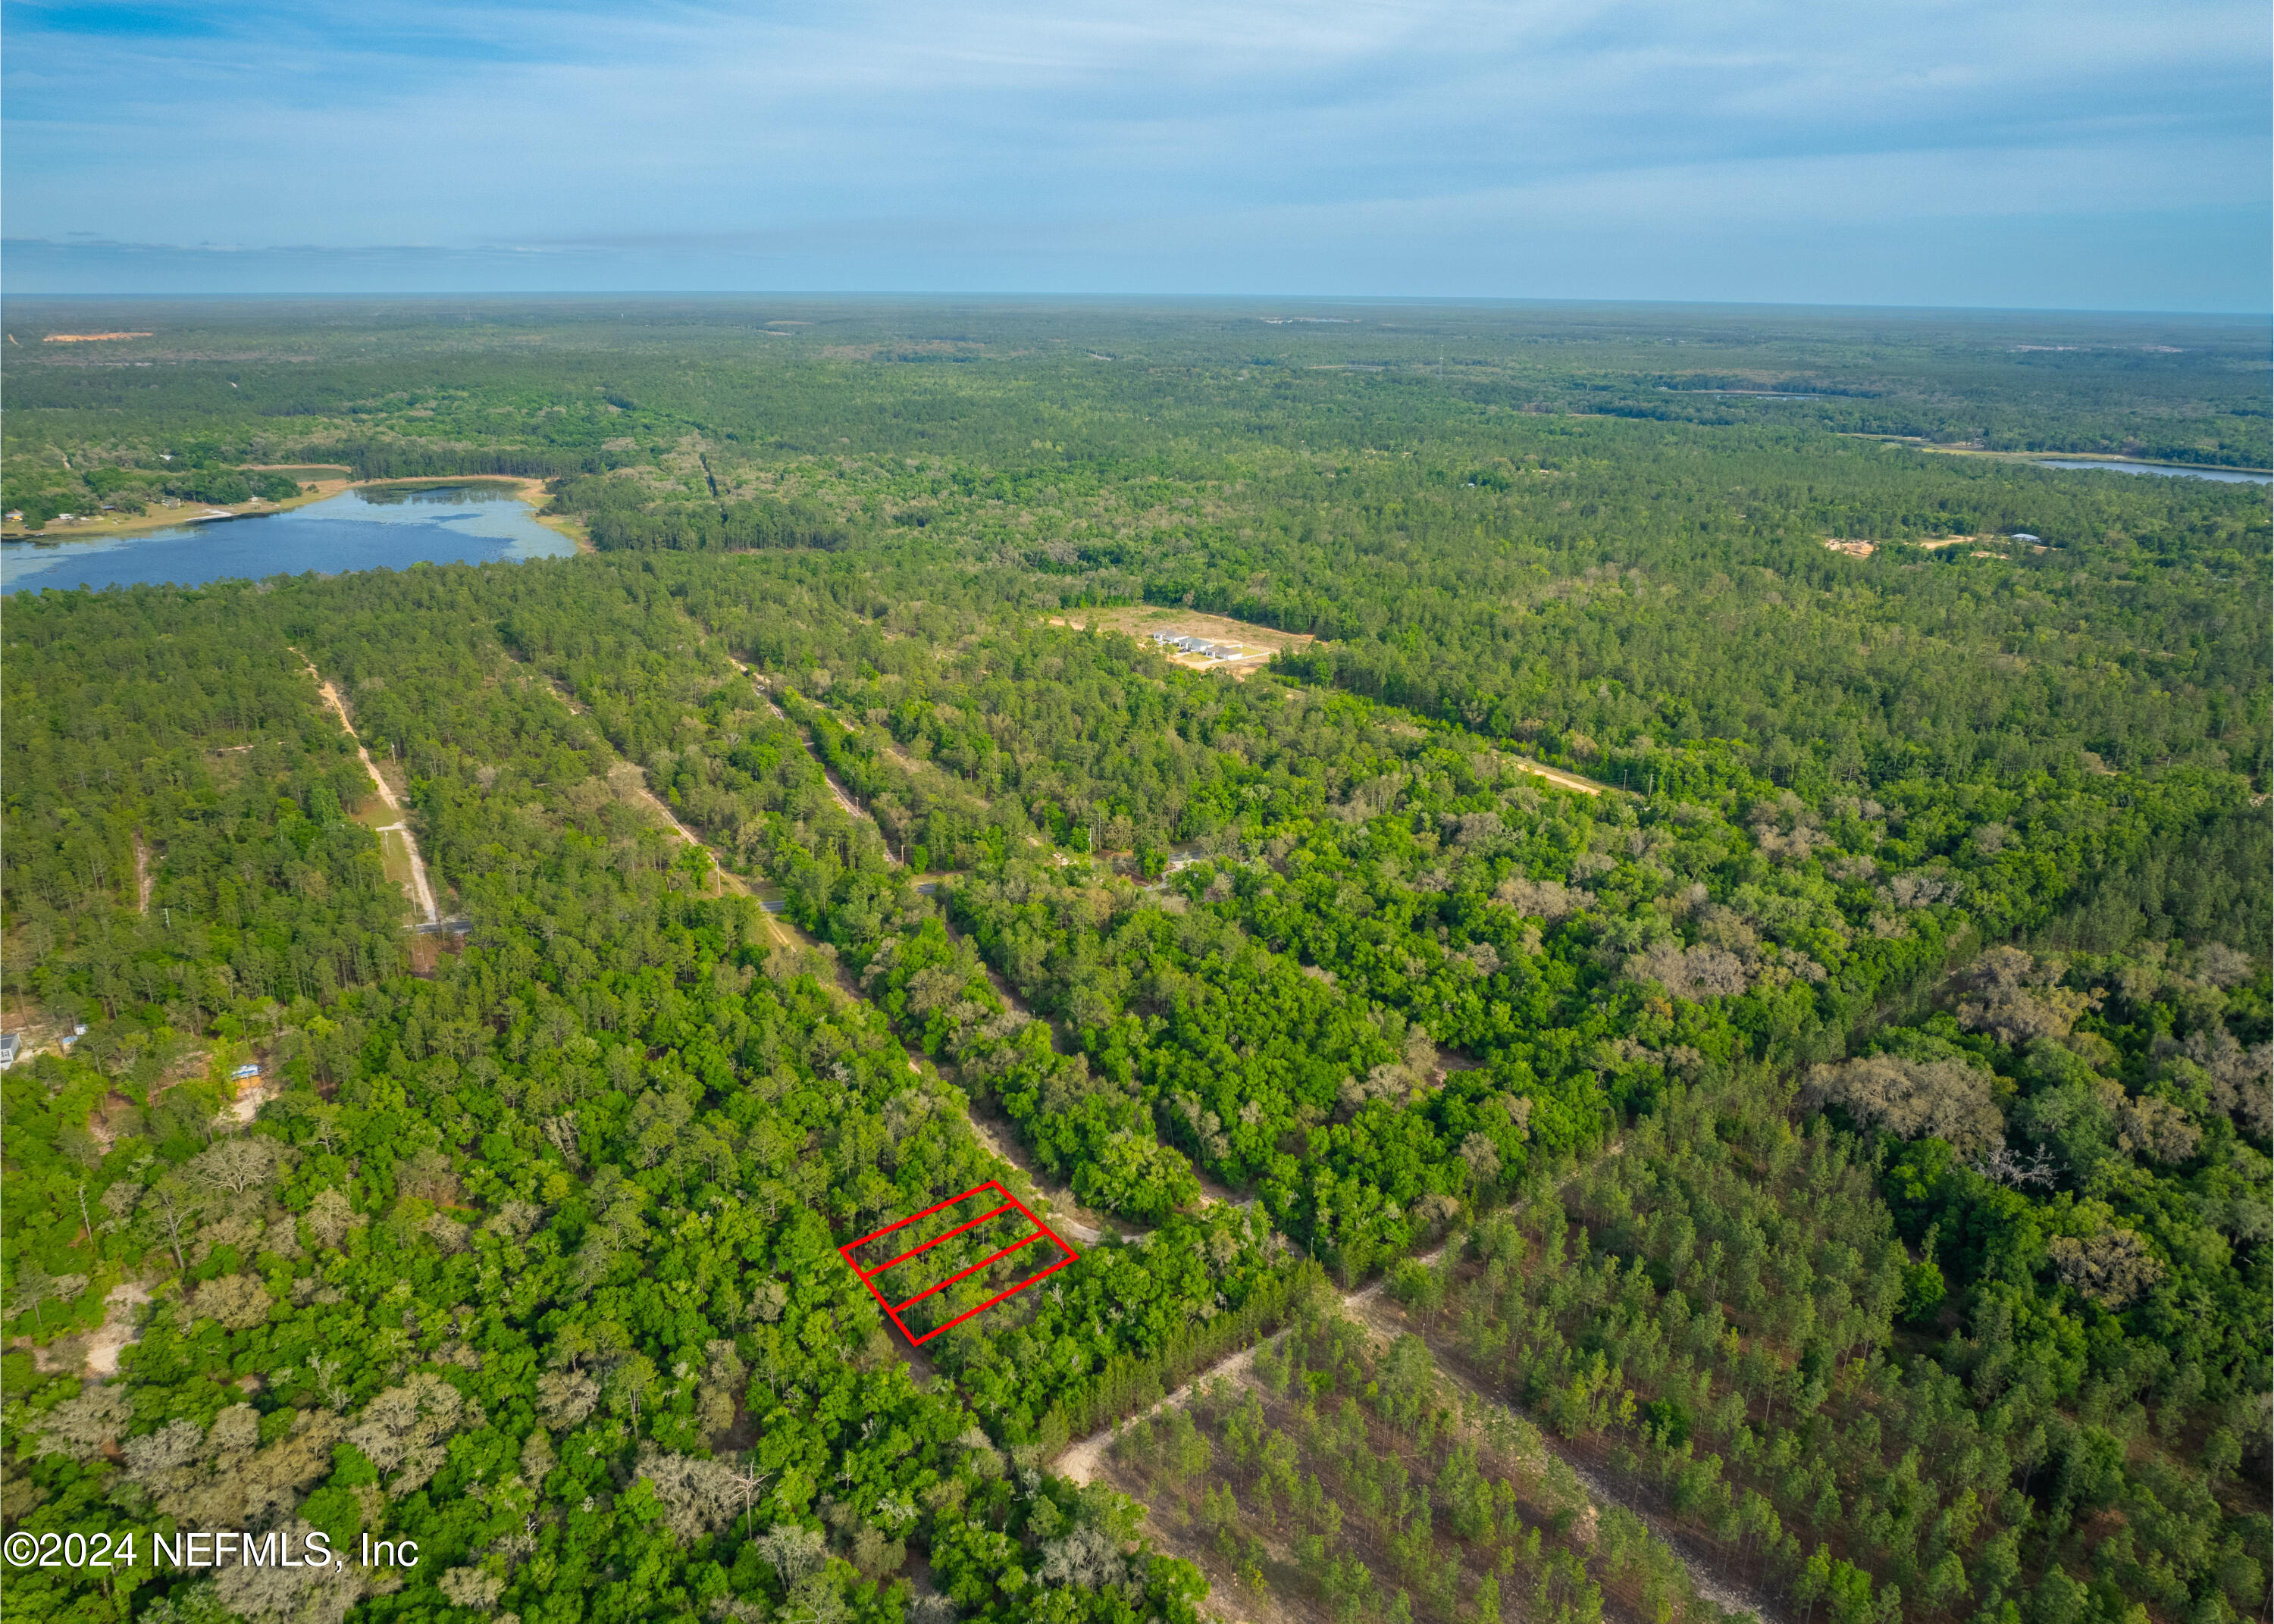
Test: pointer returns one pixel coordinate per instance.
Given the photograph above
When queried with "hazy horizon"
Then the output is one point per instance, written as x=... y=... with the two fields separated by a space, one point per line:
x=1046 y=297
x=2047 y=157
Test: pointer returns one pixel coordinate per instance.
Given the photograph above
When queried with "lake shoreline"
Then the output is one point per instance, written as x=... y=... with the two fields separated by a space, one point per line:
x=1917 y=443
x=339 y=529
x=2039 y=459
x=531 y=491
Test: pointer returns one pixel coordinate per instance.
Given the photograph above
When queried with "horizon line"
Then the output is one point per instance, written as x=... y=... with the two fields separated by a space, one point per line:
x=896 y=295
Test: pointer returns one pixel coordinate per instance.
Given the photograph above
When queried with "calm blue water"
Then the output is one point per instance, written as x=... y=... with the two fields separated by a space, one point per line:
x=2225 y=476
x=355 y=529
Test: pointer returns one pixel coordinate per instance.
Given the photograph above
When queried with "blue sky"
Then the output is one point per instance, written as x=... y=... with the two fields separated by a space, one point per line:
x=2032 y=153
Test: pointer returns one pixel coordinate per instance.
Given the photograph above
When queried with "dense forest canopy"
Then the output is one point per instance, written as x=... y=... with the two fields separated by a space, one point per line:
x=1643 y=1064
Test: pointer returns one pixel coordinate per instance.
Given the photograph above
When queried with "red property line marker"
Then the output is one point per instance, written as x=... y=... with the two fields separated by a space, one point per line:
x=892 y=1311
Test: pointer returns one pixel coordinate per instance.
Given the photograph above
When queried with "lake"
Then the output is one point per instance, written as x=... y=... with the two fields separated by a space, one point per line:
x=2225 y=476
x=374 y=529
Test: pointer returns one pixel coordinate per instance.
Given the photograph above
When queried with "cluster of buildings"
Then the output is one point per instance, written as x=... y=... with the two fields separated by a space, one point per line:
x=1201 y=646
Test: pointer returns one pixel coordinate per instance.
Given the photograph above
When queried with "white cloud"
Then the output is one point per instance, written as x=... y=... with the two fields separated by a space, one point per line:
x=1321 y=124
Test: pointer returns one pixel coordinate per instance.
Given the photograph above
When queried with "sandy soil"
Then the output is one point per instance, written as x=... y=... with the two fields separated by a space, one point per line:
x=249 y=1100
x=116 y=1333
x=39 y=1029
x=1090 y=1460
x=422 y=894
x=630 y=782
x=144 y=881
x=1081 y=1459
x=1086 y=1224
x=1085 y=1461
x=1058 y=1202
x=1553 y=775
x=102 y=526
x=1258 y=643
x=1055 y=1203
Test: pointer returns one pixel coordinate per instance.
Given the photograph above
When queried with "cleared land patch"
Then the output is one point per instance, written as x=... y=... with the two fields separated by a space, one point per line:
x=1245 y=646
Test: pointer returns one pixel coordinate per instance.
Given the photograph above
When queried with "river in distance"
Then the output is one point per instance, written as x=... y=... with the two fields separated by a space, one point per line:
x=371 y=529
x=2225 y=476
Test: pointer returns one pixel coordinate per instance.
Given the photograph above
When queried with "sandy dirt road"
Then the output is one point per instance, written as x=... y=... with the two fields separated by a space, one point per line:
x=421 y=891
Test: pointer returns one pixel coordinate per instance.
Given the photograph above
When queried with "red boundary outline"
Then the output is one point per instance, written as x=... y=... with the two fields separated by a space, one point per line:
x=892 y=1310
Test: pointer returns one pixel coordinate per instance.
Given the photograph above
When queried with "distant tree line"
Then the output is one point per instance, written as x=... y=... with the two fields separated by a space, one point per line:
x=382 y=459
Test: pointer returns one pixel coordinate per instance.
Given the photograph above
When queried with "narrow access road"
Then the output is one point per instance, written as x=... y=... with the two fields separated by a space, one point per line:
x=624 y=774
x=421 y=892
x=853 y=809
x=1555 y=776
x=629 y=776
x=1056 y=1200
x=1057 y=1204
x=1084 y=1462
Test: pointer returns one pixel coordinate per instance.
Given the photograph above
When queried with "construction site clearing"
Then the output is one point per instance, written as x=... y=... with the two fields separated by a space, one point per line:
x=1196 y=641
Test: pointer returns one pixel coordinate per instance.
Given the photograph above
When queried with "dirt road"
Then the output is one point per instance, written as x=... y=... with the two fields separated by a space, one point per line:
x=1553 y=775
x=853 y=809
x=421 y=892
